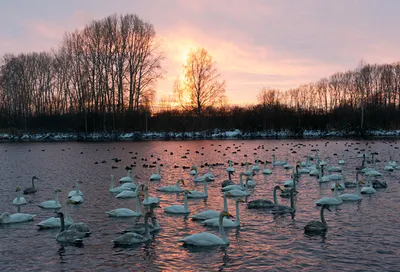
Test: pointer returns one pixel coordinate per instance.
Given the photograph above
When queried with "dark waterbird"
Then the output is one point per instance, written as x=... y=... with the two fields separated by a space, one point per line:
x=31 y=190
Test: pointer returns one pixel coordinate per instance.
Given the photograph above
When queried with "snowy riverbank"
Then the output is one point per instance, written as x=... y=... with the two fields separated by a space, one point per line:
x=214 y=134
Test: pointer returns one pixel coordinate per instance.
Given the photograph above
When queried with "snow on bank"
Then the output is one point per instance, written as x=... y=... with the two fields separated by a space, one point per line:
x=214 y=134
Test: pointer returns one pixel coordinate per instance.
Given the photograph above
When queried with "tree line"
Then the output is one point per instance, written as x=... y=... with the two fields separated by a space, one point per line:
x=103 y=78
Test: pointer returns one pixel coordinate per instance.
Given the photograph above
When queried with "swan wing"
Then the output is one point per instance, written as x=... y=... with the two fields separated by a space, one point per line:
x=126 y=194
x=129 y=238
x=122 y=212
x=204 y=215
x=20 y=217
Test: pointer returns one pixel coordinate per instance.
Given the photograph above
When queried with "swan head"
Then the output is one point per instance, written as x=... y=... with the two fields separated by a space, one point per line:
x=57 y=190
x=226 y=214
x=326 y=206
x=240 y=200
x=59 y=215
x=194 y=167
x=69 y=201
x=18 y=189
x=35 y=177
x=277 y=187
x=187 y=192
x=181 y=181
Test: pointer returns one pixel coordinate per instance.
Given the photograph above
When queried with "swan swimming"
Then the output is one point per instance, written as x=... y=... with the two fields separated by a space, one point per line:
x=228 y=223
x=209 y=239
x=157 y=176
x=131 y=238
x=66 y=235
x=198 y=194
x=282 y=209
x=125 y=212
x=31 y=190
x=353 y=197
x=75 y=192
x=179 y=209
x=265 y=203
x=330 y=200
x=140 y=228
x=52 y=204
x=127 y=178
x=149 y=200
x=7 y=218
x=19 y=200
x=55 y=222
x=172 y=188
x=318 y=226
x=208 y=214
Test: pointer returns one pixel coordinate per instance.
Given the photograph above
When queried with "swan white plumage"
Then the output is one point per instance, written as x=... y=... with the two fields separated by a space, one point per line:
x=208 y=214
x=156 y=176
x=275 y=162
x=247 y=171
x=66 y=235
x=266 y=171
x=77 y=198
x=227 y=223
x=76 y=191
x=239 y=192
x=209 y=174
x=368 y=190
x=250 y=182
x=330 y=200
x=131 y=238
x=149 y=200
x=125 y=212
x=7 y=218
x=130 y=193
x=19 y=200
x=208 y=239
x=256 y=167
x=116 y=189
x=202 y=178
x=318 y=226
x=230 y=168
x=31 y=190
x=353 y=197
x=265 y=203
x=239 y=186
x=198 y=194
x=127 y=178
x=55 y=222
x=290 y=182
x=52 y=204
x=172 y=188
x=179 y=209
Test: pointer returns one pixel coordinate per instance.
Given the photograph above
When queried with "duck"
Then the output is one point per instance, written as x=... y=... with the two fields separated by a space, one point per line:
x=125 y=212
x=19 y=200
x=75 y=192
x=172 y=188
x=149 y=200
x=227 y=223
x=55 y=222
x=265 y=203
x=68 y=236
x=156 y=176
x=179 y=209
x=7 y=218
x=205 y=239
x=31 y=190
x=198 y=194
x=318 y=226
x=208 y=214
x=282 y=209
x=330 y=200
x=52 y=204
x=131 y=238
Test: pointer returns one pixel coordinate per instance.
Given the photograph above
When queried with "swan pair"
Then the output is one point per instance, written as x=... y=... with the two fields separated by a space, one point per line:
x=68 y=236
x=125 y=212
x=215 y=222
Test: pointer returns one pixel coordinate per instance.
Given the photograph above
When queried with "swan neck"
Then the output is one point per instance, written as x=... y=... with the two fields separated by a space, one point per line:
x=323 y=216
x=225 y=203
x=146 y=227
x=62 y=223
x=237 y=213
x=241 y=179
x=33 y=183
x=138 y=210
x=229 y=175
x=292 y=202
x=205 y=188
x=185 y=202
x=56 y=197
x=222 y=230
x=275 y=196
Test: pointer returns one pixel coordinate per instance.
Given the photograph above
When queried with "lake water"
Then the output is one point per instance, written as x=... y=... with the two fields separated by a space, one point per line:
x=361 y=237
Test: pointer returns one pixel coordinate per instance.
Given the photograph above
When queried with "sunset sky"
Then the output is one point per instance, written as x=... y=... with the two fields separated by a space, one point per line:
x=255 y=43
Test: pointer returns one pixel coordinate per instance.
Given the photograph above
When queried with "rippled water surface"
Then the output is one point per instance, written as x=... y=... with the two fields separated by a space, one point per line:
x=361 y=237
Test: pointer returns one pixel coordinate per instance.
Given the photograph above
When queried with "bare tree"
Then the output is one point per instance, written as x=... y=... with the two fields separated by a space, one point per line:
x=201 y=86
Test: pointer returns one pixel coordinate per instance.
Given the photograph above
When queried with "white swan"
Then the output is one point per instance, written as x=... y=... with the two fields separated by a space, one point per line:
x=197 y=178
x=317 y=226
x=239 y=186
x=130 y=193
x=209 y=174
x=7 y=218
x=371 y=171
x=193 y=170
x=66 y=235
x=149 y=200
x=198 y=194
x=131 y=238
x=179 y=209
x=327 y=178
x=208 y=239
x=157 y=176
x=247 y=171
x=368 y=190
x=125 y=212
x=55 y=222
x=52 y=204
x=172 y=188
x=266 y=171
x=228 y=223
x=77 y=198
x=115 y=189
x=256 y=167
x=275 y=162
x=264 y=203
x=76 y=191
x=230 y=168
x=19 y=200
x=208 y=214
x=127 y=178
x=31 y=190
x=239 y=193
x=330 y=200
x=290 y=182
x=353 y=197
x=250 y=182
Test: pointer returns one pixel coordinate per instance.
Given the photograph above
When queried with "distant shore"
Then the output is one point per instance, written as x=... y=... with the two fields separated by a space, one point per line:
x=213 y=134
